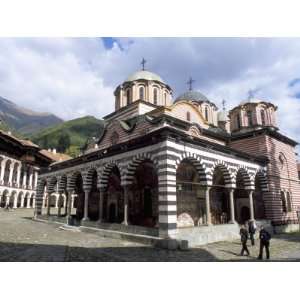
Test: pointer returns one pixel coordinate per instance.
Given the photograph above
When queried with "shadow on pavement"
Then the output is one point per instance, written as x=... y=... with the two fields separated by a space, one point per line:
x=19 y=252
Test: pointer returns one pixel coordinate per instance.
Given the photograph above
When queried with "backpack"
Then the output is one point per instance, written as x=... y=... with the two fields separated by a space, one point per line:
x=265 y=236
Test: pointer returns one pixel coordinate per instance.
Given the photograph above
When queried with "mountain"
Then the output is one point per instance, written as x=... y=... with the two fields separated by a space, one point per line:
x=69 y=136
x=23 y=120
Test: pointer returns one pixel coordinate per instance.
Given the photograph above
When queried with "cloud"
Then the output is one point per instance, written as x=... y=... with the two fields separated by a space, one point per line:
x=73 y=77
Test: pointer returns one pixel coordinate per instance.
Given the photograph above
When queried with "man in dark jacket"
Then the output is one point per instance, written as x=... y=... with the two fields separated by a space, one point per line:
x=252 y=230
x=264 y=237
x=244 y=239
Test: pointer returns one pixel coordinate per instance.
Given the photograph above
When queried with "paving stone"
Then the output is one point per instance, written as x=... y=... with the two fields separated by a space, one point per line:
x=22 y=239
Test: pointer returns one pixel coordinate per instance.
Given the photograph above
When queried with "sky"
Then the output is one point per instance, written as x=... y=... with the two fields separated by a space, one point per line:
x=74 y=77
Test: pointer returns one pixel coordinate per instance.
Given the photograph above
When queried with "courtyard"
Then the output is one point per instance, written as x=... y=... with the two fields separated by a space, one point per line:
x=22 y=239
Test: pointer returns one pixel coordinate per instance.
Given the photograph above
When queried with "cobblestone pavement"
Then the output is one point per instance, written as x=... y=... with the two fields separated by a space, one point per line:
x=22 y=239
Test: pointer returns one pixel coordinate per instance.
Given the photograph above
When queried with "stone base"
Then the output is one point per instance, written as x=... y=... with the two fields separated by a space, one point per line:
x=201 y=235
x=286 y=228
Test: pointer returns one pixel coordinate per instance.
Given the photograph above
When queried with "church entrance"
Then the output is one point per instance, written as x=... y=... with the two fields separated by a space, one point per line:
x=112 y=213
x=143 y=195
x=245 y=214
x=219 y=195
x=190 y=196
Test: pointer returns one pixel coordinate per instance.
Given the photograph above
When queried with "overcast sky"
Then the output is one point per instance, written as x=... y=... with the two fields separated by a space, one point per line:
x=74 y=77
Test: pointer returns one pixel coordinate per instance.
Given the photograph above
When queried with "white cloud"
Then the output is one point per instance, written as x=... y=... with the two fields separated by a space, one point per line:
x=75 y=77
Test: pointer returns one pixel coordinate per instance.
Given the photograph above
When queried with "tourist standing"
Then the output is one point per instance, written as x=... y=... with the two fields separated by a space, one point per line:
x=264 y=237
x=252 y=230
x=244 y=239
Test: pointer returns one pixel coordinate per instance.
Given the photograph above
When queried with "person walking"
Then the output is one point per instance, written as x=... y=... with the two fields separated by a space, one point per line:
x=244 y=239
x=252 y=230
x=264 y=237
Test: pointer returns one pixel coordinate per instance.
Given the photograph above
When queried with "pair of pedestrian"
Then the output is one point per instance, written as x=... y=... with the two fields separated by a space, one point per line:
x=264 y=237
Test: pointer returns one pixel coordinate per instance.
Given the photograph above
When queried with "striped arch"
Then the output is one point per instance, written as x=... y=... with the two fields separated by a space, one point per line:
x=62 y=183
x=248 y=182
x=197 y=163
x=228 y=176
x=104 y=176
x=51 y=183
x=88 y=177
x=262 y=180
x=128 y=175
x=71 y=179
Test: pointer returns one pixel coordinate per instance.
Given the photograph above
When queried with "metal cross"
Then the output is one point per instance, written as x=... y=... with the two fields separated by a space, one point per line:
x=143 y=63
x=251 y=94
x=223 y=103
x=190 y=83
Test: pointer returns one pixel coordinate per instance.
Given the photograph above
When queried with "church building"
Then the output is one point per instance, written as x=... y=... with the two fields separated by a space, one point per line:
x=177 y=169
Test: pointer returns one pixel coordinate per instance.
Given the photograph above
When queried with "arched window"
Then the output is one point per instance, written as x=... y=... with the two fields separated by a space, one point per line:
x=263 y=118
x=128 y=97
x=238 y=121
x=155 y=96
x=188 y=116
x=206 y=113
x=283 y=202
x=249 y=117
x=141 y=93
x=288 y=202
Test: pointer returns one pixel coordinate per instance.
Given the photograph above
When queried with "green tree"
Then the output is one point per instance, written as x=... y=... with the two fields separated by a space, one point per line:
x=73 y=151
x=64 y=142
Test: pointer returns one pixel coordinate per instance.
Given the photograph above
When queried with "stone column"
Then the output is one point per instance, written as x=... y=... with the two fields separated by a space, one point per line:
x=30 y=173
x=86 y=205
x=22 y=201
x=231 y=205
x=7 y=199
x=207 y=205
x=125 y=222
x=11 y=173
x=68 y=206
x=28 y=202
x=15 y=201
x=24 y=179
x=19 y=175
x=56 y=200
x=101 y=201
x=48 y=204
x=2 y=171
x=251 y=206
x=59 y=204
x=35 y=179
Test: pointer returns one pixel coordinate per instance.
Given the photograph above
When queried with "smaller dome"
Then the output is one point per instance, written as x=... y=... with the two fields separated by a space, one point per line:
x=146 y=75
x=192 y=96
x=223 y=116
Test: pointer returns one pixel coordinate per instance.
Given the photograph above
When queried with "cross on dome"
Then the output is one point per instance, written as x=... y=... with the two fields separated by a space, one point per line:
x=190 y=83
x=223 y=104
x=143 y=62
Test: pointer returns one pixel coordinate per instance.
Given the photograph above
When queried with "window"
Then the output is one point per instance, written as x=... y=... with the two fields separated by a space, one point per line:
x=249 y=117
x=165 y=98
x=141 y=93
x=188 y=116
x=262 y=116
x=283 y=202
x=288 y=201
x=206 y=113
x=128 y=97
x=238 y=121
x=281 y=160
x=155 y=96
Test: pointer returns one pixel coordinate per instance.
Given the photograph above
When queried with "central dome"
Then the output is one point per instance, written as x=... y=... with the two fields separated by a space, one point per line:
x=192 y=96
x=144 y=75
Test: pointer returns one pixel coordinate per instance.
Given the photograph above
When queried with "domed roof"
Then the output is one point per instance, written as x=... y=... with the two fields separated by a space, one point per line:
x=192 y=96
x=144 y=75
x=223 y=116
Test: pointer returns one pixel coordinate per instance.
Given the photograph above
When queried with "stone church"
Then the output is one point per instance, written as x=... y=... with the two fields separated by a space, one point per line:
x=177 y=169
